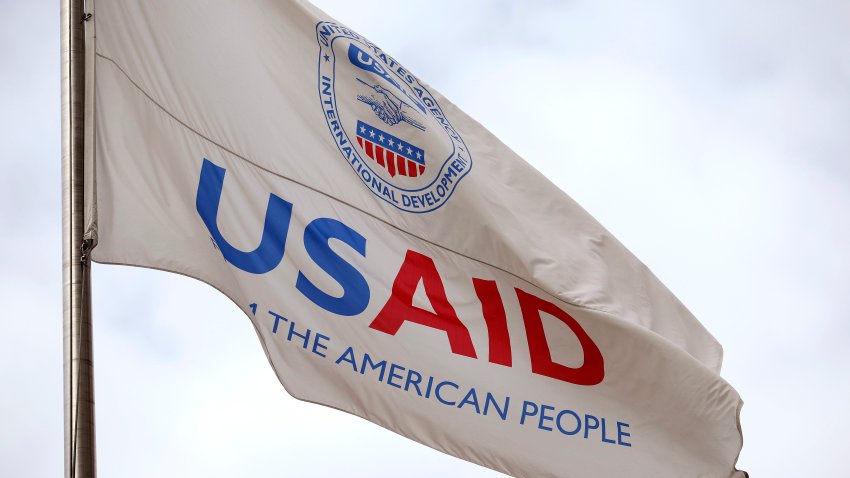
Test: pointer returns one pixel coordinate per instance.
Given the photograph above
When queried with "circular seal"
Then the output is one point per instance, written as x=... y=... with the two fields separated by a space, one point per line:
x=387 y=125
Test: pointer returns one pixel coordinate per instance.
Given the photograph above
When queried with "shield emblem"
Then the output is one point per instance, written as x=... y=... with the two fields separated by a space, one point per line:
x=390 y=152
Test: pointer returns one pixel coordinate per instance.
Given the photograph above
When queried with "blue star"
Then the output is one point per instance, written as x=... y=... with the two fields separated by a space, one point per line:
x=327 y=58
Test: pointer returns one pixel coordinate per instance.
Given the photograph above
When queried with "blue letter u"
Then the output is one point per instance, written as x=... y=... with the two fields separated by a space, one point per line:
x=278 y=214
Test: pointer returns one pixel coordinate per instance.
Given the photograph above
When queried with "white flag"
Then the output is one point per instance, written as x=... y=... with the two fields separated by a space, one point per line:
x=398 y=261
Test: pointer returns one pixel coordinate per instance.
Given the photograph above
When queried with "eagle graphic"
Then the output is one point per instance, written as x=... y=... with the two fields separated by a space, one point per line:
x=388 y=107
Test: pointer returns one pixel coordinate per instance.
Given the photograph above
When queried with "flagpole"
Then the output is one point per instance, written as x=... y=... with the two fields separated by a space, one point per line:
x=77 y=332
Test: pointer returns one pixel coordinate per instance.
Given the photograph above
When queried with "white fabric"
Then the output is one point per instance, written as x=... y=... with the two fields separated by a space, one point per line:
x=239 y=83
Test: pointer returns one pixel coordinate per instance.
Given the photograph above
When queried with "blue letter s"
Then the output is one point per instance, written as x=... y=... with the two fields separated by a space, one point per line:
x=355 y=295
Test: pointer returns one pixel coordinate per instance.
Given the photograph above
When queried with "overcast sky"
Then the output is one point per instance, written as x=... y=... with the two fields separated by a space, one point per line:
x=712 y=138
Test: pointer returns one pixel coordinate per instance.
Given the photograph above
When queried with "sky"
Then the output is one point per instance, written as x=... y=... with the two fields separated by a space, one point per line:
x=711 y=138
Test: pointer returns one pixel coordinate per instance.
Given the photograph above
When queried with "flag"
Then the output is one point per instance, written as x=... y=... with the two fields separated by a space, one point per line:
x=397 y=261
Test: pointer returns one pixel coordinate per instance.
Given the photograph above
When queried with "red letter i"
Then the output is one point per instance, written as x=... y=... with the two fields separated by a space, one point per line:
x=497 y=323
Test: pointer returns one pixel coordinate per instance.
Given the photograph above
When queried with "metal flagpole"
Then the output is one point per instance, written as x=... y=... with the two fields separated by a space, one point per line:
x=77 y=362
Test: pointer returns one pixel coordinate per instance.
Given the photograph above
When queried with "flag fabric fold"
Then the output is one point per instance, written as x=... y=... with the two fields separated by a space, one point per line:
x=397 y=260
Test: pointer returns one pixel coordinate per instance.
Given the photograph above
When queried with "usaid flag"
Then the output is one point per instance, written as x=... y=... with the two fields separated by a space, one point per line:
x=398 y=262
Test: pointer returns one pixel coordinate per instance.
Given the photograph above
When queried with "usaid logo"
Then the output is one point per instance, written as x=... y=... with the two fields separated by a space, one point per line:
x=387 y=125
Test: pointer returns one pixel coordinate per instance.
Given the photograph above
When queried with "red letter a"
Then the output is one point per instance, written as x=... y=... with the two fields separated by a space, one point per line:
x=592 y=370
x=399 y=308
